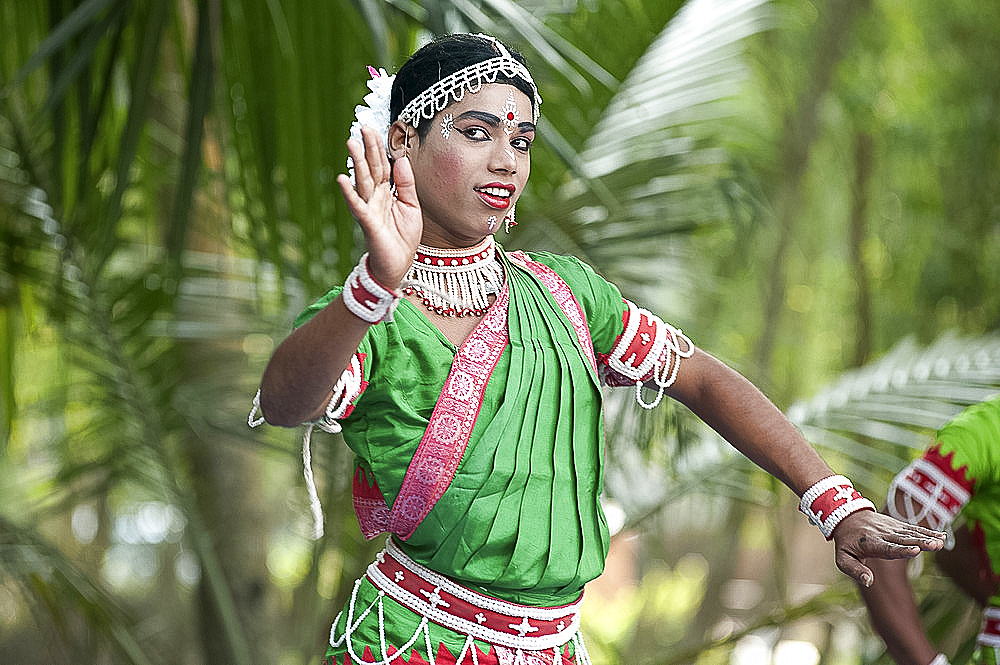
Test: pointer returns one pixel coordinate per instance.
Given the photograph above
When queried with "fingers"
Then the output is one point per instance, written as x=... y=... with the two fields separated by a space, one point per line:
x=354 y=202
x=406 y=189
x=371 y=164
x=883 y=549
x=870 y=535
x=378 y=161
x=854 y=568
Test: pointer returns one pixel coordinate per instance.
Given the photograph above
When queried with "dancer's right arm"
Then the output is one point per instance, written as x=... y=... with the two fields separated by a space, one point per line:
x=299 y=378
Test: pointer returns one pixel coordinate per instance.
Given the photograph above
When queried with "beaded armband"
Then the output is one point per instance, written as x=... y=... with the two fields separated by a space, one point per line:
x=940 y=659
x=367 y=299
x=829 y=501
x=989 y=632
x=930 y=491
x=649 y=349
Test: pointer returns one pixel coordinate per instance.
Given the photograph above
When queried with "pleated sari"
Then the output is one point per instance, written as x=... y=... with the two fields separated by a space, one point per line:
x=521 y=518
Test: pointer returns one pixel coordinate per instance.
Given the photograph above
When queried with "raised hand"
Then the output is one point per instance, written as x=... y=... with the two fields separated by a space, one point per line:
x=867 y=534
x=390 y=220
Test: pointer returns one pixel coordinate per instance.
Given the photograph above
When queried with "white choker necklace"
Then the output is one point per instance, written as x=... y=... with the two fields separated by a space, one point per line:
x=455 y=282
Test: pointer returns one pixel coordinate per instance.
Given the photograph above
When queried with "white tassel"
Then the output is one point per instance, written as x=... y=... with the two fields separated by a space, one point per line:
x=314 y=504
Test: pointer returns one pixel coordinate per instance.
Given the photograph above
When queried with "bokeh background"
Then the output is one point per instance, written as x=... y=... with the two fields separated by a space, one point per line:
x=810 y=190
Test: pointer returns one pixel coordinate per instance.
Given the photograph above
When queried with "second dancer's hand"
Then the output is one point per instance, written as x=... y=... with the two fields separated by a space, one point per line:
x=390 y=219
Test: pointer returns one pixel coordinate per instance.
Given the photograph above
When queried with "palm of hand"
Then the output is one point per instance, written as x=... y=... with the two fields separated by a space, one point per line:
x=389 y=217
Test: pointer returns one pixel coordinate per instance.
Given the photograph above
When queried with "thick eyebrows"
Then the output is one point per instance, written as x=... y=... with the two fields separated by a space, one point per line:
x=483 y=116
x=494 y=120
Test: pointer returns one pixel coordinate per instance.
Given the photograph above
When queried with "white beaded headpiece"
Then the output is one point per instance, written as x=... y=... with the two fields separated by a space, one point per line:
x=451 y=88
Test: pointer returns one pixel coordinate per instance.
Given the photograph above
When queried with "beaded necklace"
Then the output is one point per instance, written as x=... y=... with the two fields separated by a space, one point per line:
x=455 y=282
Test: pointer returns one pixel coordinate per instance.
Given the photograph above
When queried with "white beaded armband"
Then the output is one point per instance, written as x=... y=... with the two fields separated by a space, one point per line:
x=649 y=349
x=367 y=299
x=830 y=500
x=940 y=659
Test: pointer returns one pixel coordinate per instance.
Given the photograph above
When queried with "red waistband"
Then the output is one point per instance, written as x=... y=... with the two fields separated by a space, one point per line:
x=463 y=610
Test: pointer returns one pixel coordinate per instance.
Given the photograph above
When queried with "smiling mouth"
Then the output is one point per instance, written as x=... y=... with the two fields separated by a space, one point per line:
x=495 y=197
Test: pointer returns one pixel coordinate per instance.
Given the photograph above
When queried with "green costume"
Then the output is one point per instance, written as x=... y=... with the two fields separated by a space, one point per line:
x=521 y=520
x=968 y=450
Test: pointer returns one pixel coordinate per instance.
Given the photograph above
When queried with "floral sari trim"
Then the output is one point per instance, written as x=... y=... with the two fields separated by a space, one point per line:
x=447 y=435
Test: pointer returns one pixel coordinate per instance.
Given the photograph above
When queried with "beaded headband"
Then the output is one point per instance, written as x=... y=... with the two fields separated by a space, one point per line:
x=425 y=105
x=472 y=78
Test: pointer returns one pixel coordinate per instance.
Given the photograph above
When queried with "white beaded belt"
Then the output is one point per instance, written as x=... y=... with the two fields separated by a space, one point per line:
x=455 y=607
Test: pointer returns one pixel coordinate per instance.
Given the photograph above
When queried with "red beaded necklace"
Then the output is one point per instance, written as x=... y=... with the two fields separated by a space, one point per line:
x=455 y=282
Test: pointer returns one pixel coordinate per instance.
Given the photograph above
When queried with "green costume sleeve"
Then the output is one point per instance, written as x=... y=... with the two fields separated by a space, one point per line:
x=972 y=441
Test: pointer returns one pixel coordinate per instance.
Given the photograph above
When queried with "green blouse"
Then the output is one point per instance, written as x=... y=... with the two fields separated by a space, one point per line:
x=973 y=437
x=521 y=519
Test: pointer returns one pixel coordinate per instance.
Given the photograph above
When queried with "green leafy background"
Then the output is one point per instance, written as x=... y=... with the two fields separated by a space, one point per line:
x=808 y=189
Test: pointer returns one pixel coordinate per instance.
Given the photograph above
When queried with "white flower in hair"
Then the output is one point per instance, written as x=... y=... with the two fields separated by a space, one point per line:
x=376 y=113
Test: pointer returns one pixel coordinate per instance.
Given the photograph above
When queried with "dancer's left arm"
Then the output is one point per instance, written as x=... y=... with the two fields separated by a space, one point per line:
x=741 y=414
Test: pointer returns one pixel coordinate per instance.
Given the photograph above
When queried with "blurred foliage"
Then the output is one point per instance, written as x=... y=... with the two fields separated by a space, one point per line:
x=808 y=189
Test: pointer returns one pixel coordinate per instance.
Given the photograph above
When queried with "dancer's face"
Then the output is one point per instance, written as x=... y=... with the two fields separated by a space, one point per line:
x=472 y=165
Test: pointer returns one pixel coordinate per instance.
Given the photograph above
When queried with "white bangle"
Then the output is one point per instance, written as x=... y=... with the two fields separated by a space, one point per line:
x=830 y=500
x=940 y=659
x=367 y=299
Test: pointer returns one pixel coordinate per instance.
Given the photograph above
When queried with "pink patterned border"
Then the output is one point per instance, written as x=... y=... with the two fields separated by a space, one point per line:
x=447 y=435
x=564 y=298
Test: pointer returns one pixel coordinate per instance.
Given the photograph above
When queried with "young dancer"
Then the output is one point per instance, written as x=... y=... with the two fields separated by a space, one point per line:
x=467 y=381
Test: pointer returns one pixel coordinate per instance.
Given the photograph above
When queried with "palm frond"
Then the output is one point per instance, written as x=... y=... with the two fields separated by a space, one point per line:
x=647 y=174
x=64 y=592
x=878 y=416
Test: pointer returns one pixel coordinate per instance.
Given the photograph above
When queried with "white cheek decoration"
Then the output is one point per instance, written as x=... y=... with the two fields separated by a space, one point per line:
x=493 y=222
x=447 y=124
x=509 y=114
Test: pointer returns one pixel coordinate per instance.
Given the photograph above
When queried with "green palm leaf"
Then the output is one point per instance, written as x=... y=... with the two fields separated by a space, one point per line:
x=647 y=172
x=881 y=415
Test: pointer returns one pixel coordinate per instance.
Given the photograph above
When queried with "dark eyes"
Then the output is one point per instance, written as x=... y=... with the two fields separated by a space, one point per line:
x=521 y=143
x=476 y=133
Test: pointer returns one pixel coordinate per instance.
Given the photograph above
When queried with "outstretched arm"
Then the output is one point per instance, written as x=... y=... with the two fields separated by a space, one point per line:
x=741 y=414
x=299 y=378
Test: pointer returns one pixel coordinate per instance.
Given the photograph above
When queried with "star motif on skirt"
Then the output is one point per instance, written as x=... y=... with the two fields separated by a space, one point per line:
x=434 y=598
x=523 y=628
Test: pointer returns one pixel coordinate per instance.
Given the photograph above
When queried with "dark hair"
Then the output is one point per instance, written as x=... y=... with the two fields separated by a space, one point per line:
x=442 y=57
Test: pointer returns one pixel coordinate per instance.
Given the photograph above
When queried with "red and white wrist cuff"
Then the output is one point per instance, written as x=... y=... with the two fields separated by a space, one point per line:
x=830 y=500
x=367 y=299
x=989 y=633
